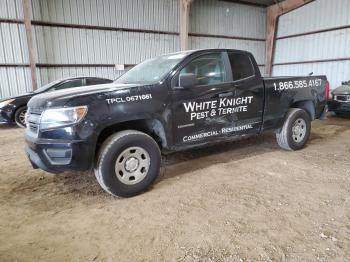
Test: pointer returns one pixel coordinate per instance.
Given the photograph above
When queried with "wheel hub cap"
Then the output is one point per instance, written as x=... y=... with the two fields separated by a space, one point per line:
x=299 y=130
x=131 y=164
x=22 y=117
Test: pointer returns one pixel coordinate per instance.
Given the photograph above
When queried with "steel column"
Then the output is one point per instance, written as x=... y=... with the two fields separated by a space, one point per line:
x=273 y=13
x=28 y=27
x=184 y=23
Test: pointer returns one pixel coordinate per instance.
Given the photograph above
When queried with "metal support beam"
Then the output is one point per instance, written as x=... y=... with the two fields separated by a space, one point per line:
x=28 y=27
x=184 y=23
x=273 y=13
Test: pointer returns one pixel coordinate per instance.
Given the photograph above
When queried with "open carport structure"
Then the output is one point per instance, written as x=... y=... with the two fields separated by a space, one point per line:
x=237 y=201
x=43 y=40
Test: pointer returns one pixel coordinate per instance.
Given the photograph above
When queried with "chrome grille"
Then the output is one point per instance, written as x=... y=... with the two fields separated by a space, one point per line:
x=342 y=98
x=33 y=120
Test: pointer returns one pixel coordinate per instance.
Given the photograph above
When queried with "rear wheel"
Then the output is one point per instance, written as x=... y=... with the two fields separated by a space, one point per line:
x=295 y=131
x=20 y=116
x=128 y=163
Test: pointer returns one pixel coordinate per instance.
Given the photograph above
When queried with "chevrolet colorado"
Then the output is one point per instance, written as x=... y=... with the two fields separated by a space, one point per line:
x=169 y=103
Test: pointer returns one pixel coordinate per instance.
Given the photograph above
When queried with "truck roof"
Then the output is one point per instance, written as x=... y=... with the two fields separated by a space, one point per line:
x=187 y=52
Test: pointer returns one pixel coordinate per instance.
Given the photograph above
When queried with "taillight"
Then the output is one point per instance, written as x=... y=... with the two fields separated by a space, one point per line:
x=328 y=90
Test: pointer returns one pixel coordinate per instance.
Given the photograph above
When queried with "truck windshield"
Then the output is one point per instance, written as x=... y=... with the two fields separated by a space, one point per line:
x=151 y=70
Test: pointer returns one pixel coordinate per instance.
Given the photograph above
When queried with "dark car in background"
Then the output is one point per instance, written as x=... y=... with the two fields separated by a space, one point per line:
x=13 y=109
x=340 y=102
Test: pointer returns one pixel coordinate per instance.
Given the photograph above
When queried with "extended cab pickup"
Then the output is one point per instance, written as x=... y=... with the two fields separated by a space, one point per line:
x=169 y=103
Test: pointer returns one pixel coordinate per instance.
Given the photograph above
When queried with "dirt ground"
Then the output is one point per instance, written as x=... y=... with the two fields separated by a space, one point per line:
x=242 y=201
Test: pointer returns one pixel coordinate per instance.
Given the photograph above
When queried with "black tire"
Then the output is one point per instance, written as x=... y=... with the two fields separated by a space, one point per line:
x=289 y=140
x=113 y=150
x=19 y=116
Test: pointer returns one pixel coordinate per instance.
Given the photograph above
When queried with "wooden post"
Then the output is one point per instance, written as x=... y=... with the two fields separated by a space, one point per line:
x=273 y=13
x=28 y=27
x=184 y=23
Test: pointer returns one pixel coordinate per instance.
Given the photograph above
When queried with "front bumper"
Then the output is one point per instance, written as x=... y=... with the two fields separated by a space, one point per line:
x=57 y=156
x=5 y=117
x=339 y=107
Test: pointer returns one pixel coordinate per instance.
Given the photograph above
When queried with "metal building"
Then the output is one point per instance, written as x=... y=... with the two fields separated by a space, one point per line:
x=315 y=38
x=89 y=37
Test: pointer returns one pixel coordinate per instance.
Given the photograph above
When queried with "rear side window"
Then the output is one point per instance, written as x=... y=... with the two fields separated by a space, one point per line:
x=241 y=66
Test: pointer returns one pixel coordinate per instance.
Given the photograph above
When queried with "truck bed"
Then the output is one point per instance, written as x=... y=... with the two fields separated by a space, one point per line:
x=282 y=93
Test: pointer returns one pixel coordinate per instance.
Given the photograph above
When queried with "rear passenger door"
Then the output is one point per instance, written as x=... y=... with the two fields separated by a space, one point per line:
x=248 y=90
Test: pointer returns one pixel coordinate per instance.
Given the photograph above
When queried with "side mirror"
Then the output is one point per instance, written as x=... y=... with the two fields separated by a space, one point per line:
x=187 y=80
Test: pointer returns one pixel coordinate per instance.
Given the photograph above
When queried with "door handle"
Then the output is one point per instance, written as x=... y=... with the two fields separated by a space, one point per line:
x=238 y=85
x=226 y=94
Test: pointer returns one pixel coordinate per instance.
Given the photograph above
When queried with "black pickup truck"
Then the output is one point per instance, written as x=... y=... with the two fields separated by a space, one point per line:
x=169 y=103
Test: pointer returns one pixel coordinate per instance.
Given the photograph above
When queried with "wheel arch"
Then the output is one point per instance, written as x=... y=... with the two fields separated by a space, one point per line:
x=153 y=127
x=308 y=106
x=16 y=109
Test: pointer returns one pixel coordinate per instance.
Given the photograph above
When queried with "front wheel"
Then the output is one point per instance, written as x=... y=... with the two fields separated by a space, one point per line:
x=20 y=116
x=128 y=163
x=295 y=131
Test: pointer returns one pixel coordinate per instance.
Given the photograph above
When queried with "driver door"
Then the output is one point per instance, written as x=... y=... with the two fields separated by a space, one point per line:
x=197 y=116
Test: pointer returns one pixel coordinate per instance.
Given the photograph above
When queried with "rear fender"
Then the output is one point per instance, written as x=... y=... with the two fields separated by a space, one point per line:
x=308 y=106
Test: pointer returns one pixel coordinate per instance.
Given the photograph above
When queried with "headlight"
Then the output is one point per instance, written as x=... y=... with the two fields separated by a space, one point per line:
x=6 y=102
x=57 y=117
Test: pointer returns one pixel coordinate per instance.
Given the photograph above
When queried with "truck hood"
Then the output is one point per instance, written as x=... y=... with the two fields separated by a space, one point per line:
x=60 y=97
x=342 y=90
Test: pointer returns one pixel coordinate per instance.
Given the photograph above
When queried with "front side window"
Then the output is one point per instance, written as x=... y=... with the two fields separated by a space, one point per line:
x=97 y=81
x=241 y=66
x=208 y=69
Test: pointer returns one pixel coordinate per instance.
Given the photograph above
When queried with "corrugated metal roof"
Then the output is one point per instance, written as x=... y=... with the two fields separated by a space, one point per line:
x=229 y=19
x=11 y=9
x=13 y=48
x=256 y=2
x=62 y=45
x=80 y=46
x=311 y=48
x=336 y=72
x=151 y=14
x=225 y=18
x=316 y=15
x=328 y=45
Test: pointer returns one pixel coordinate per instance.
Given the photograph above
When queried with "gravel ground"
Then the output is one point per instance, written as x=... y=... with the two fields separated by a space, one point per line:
x=241 y=201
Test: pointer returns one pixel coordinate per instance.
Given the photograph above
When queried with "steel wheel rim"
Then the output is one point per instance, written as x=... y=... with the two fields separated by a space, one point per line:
x=299 y=130
x=132 y=165
x=22 y=117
